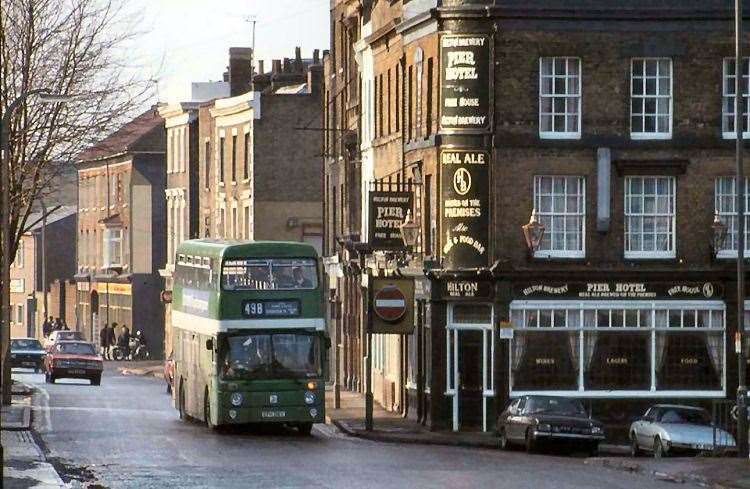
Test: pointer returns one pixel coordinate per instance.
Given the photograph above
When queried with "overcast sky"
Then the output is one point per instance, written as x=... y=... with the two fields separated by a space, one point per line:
x=189 y=40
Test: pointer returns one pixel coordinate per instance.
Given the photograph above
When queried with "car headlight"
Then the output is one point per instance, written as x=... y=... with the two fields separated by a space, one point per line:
x=543 y=427
x=309 y=397
x=236 y=399
x=596 y=430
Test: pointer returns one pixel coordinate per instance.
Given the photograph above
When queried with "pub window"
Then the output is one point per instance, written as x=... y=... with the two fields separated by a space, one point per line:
x=636 y=346
x=427 y=212
x=651 y=98
x=397 y=90
x=376 y=112
x=725 y=200
x=418 y=57
x=649 y=217
x=728 y=98
x=560 y=205
x=410 y=108
x=428 y=121
x=560 y=98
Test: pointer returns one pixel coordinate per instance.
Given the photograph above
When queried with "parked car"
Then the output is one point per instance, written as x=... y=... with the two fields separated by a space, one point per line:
x=27 y=353
x=61 y=335
x=666 y=429
x=535 y=420
x=73 y=360
x=169 y=373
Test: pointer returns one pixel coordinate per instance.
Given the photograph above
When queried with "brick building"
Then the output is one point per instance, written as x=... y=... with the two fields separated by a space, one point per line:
x=243 y=157
x=28 y=280
x=611 y=124
x=121 y=223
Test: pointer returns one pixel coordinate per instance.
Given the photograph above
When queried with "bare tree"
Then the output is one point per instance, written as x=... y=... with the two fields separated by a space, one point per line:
x=70 y=47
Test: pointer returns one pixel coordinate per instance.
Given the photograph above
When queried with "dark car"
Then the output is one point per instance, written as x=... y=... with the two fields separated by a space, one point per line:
x=535 y=420
x=73 y=360
x=27 y=353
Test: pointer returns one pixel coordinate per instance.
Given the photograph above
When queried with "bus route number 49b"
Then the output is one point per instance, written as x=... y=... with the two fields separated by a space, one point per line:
x=275 y=309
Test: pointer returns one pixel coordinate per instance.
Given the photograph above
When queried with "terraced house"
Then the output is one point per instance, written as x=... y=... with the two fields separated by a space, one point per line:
x=570 y=166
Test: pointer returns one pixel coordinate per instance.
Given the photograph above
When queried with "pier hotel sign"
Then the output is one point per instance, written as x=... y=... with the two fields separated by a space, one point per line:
x=465 y=82
x=621 y=290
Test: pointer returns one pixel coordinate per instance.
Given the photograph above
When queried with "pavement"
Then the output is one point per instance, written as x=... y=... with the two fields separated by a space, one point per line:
x=24 y=463
x=125 y=433
x=713 y=472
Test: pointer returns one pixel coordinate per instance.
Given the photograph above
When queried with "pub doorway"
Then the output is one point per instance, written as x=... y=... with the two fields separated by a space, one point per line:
x=470 y=350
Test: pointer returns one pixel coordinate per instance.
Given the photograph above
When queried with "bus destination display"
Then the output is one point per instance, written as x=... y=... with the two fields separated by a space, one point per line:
x=270 y=309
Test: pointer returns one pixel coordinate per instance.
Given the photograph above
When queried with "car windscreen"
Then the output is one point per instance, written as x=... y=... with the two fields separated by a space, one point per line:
x=268 y=356
x=685 y=416
x=269 y=274
x=554 y=405
x=25 y=345
x=75 y=349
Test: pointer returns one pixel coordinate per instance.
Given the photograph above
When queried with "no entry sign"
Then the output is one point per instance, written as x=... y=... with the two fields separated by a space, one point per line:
x=392 y=306
x=390 y=303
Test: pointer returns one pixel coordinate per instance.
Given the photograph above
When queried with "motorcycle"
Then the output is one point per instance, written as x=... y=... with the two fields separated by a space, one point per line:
x=138 y=351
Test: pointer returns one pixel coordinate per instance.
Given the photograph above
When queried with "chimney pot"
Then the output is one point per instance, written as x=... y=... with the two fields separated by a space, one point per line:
x=260 y=67
x=316 y=56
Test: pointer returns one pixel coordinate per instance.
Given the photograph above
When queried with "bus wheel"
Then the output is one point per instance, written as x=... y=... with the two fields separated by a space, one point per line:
x=305 y=428
x=181 y=403
x=207 y=412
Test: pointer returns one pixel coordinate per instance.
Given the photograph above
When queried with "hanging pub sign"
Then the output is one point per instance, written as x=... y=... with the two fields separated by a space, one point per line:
x=464 y=177
x=392 y=306
x=619 y=290
x=386 y=214
x=465 y=82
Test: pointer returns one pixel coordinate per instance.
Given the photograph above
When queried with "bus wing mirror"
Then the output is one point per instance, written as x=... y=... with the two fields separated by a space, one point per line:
x=210 y=344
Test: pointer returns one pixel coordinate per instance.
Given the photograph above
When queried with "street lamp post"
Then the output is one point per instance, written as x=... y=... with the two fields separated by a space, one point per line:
x=46 y=96
x=739 y=90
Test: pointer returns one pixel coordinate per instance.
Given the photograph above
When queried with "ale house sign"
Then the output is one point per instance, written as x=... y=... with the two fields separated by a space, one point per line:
x=465 y=82
x=464 y=208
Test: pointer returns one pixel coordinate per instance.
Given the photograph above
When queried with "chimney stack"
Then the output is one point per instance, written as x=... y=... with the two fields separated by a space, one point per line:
x=260 y=67
x=276 y=66
x=287 y=65
x=298 y=60
x=240 y=70
x=316 y=56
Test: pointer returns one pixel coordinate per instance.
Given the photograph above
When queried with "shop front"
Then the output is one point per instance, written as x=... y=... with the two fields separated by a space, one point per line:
x=618 y=340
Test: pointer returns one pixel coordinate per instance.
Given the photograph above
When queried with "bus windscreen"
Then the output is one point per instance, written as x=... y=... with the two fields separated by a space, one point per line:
x=271 y=356
x=269 y=274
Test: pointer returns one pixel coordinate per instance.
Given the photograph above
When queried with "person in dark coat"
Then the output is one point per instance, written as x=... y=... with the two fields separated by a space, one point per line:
x=105 y=342
x=123 y=342
x=47 y=327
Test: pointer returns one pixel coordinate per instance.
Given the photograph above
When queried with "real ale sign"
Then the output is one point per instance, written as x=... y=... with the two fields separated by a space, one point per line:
x=464 y=208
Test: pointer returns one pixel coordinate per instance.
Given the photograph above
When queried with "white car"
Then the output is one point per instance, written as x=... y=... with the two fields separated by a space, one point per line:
x=666 y=429
x=61 y=335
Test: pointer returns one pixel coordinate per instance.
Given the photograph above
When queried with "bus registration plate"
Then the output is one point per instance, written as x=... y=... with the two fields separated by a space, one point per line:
x=273 y=414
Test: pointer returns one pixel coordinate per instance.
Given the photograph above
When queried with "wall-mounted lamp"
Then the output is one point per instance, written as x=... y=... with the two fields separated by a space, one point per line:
x=409 y=231
x=718 y=236
x=533 y=231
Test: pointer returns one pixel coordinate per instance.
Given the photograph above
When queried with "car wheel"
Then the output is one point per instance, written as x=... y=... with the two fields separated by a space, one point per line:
x=96 y=380
x=659 y=451
x=305 y=428
x=593 y=450
x=504 y=443
x=635 y=450
x=530 y=441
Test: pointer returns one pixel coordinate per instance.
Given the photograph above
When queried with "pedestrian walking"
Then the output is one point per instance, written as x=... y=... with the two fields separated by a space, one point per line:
x=57 y=324
x=123 y=342
x=47 y=327
x=104 y=342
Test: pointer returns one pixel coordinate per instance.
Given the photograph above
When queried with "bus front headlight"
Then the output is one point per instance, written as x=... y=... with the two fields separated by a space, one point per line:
x=309 y=397
x=236 y=399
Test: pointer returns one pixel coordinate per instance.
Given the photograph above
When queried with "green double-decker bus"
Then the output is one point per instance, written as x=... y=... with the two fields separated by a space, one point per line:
x=249 y=338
